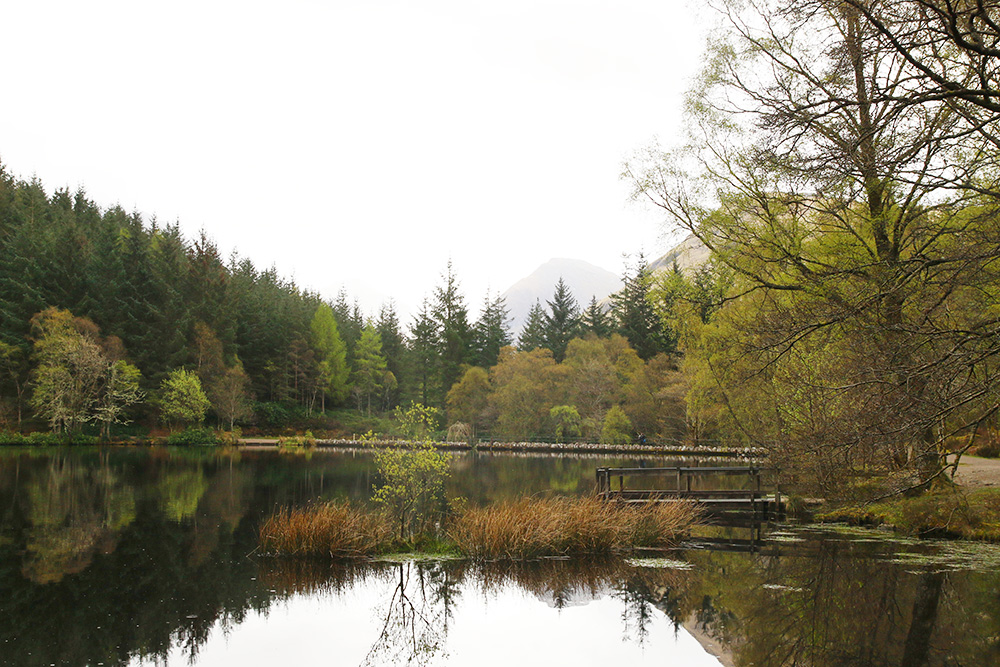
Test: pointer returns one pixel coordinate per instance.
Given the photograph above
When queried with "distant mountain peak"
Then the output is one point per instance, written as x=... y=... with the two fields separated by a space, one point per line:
x=584 y=280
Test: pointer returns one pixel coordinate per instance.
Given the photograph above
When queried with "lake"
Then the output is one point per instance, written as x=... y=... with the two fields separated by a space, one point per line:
x=147 y=556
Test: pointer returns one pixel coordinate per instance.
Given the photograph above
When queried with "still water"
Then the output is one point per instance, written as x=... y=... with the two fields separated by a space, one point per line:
x=147 y=557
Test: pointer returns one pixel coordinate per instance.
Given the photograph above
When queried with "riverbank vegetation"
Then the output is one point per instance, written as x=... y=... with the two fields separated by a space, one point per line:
x=953 y=513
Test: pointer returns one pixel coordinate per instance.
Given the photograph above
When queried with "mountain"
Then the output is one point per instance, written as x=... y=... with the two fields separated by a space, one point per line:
x=689 y=254
x=583 y=279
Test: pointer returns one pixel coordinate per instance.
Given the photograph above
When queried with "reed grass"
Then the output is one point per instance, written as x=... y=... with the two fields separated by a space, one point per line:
x=335 y=529
x=533 y=527
x=515 y=530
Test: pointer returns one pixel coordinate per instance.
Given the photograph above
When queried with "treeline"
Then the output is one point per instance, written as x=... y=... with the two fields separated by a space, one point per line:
x=842 y=169
x=106 y=318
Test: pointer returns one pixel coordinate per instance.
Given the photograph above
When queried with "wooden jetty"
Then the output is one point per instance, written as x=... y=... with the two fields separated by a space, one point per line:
x=679 y=483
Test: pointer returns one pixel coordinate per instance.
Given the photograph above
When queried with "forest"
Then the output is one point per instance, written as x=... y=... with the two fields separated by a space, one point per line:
x=113 y=325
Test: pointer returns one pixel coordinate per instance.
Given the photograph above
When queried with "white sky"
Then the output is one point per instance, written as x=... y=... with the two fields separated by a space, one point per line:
x=357 y=143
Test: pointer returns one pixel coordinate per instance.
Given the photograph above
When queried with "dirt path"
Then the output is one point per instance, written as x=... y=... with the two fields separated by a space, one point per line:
x=976 y=472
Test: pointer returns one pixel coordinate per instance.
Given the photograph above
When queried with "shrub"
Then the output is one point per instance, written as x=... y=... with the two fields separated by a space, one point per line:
x=230 y=438
x=193 y=436
x=411 y=491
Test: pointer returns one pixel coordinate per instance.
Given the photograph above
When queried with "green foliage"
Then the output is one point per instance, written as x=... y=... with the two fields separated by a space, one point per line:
x=418 y=422
x=411 y=487
x=193 y=435
x=331 y=354
x=567 y=422
x=181 y=398
x=372 y=380
x=468 y=398
x=76 y=379
x=533 y=333
x=617 y=428
x=562 y=321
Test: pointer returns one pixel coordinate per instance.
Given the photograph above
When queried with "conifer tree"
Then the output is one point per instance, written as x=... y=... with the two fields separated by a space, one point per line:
x=562 y=322
x=331 y=356
x=454 y=334
x=595 y=320
x=393 y=349
x=533 y=334
x=423 y=354
x=638 y=321
x=371 y=374
x=491 y=332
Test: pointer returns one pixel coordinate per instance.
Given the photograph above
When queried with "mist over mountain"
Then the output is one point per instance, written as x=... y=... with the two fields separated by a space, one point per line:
x=584 y=280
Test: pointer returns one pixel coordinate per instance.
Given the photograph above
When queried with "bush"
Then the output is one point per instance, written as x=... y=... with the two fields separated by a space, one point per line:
x=44 y=438
x=305 y=440
x=193 y=436
x=230 y=438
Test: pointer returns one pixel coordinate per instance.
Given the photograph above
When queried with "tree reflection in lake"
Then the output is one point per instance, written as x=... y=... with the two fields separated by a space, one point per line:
x=145 y=556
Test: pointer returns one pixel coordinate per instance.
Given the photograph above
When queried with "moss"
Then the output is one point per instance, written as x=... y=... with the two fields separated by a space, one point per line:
x=952 y=513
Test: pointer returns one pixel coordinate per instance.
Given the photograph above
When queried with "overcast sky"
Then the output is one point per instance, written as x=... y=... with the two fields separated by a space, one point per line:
x=357 y=143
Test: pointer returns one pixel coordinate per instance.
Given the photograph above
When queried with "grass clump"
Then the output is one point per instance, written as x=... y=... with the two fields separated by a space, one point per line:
x=531 y=528
x=334 y=529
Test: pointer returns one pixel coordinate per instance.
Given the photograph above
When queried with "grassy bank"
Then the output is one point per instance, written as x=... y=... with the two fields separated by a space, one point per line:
x=952 y=513
x=522 y=529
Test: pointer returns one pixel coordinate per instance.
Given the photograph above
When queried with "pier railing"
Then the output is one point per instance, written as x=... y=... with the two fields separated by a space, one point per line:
x=753 y=497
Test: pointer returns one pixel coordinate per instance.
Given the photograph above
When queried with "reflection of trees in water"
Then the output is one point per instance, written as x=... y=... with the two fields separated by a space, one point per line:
x=415 y=623
x=73 y=511
x=836 y=603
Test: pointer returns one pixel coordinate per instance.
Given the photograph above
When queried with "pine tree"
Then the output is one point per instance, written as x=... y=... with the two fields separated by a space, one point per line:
x=331 y=356
x=637 y=320
x=595 y=320
x=562 y=322
x=423 y=355
x=533 y=333
x=394 y=350
x=491 y=332
x=371 y=374
x=454 y=334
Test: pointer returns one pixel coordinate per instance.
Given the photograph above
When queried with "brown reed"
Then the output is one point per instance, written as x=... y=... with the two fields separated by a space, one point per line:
x=513 y=530
x=535 y=527
x=334 y=529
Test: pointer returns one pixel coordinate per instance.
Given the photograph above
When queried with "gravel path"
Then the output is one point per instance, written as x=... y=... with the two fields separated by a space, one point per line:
x=976 y=472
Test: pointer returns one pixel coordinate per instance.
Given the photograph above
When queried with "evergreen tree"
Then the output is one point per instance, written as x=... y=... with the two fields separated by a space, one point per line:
x=638 y=321
x=491 y=332
x=371 y=374
x=423 y=355
x=562 y=322
x=533 y=334
x=595 y=320
x=393 y=349
x=331 y=356
x=454 y=334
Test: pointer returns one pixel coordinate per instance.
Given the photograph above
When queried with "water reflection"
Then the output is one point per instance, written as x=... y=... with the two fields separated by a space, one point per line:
x=147 y=556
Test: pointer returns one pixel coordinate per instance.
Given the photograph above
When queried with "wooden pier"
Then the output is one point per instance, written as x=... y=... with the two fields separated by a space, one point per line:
x=751 y=499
